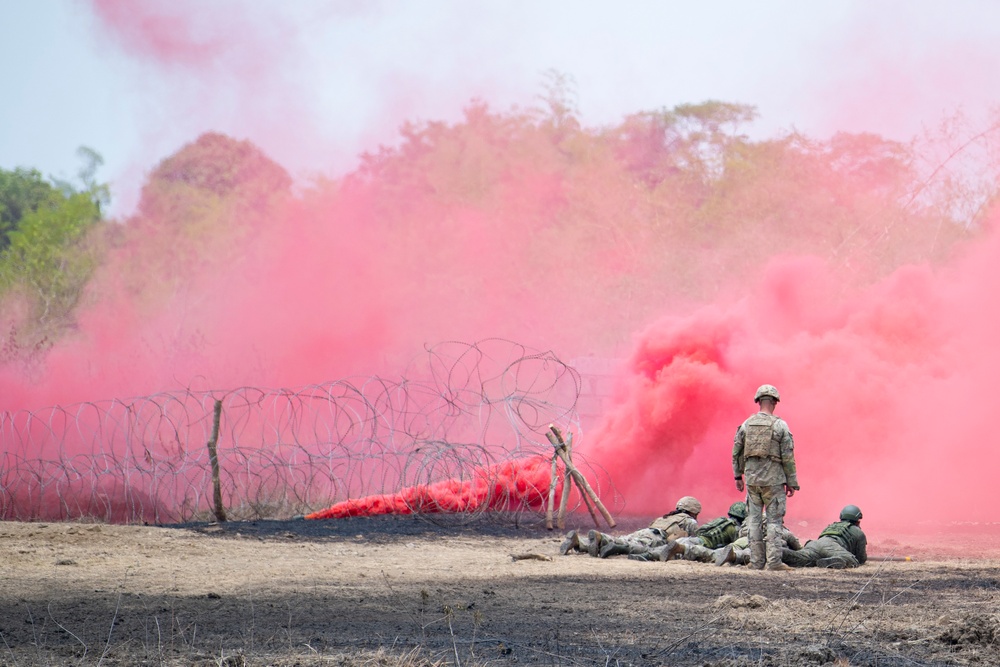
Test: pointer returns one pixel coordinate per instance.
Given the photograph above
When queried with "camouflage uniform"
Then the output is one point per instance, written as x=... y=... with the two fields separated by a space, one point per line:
x=763 y=450
x=701 y=546
x=668 y=527
x=843 y=542
x=740 y=548
x=678 y=523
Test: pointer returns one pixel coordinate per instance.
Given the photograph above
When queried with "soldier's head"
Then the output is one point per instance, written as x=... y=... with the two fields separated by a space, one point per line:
x=851 y=513
x=767 y=396
x=738 y=510
x=690 y=505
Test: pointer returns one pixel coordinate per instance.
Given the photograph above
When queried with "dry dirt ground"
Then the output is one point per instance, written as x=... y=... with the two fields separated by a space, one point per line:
x=403 y=591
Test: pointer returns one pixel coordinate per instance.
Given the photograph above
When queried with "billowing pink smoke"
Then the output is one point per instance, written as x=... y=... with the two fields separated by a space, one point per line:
x=886 y=391
x=884 y=388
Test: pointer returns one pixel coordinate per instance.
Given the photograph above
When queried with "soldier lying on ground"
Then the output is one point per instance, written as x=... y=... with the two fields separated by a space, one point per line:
x=738 y=553
x=841 y=544
x=700 y=546
x=681 y=522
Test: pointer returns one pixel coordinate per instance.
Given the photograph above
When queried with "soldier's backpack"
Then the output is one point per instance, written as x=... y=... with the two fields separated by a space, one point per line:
x=839 y=530
x=713 y=533
x=670 y=526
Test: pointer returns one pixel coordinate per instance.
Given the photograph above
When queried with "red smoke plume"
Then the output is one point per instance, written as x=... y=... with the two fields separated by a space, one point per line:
x=512 y=485
x=884 y=390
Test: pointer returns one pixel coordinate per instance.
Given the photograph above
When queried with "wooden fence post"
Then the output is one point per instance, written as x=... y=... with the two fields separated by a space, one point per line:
x=220 y=511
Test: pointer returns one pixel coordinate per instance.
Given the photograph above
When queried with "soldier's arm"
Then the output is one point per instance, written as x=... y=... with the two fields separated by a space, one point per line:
x=862 y=549
x=788 y=458
x=690 y=525
x=792 y=541
x=739 y=463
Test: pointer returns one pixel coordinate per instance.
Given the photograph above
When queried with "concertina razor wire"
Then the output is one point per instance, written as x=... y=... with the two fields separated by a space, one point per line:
x=465 y=427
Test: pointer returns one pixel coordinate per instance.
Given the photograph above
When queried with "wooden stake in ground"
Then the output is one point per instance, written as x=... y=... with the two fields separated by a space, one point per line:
x=220 y=511
x=552 y=494
x=554 y=436
x=567 y=484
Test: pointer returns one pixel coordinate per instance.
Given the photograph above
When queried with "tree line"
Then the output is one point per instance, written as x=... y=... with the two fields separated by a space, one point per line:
x=667 y=206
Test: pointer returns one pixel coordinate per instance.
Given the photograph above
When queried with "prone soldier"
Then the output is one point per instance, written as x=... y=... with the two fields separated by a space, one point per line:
x=842 y=544
x=680 y=522
x=702 y=545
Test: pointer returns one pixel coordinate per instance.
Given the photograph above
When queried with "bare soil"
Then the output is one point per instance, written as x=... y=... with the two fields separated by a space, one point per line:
x=404 y=591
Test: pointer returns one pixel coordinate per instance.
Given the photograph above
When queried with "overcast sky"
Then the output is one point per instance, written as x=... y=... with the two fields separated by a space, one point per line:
x=315 y=83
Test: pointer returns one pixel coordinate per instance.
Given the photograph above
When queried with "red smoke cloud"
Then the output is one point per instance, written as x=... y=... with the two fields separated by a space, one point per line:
x=885 y=389
x=512 y=485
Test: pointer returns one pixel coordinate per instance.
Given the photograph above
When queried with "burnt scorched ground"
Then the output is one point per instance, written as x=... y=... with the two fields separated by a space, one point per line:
x=398 y=590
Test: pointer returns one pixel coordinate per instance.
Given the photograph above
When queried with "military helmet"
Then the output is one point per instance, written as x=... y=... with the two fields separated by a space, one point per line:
x=766 y=390
x=738 y=510
x=850 y=513
x=690 y=505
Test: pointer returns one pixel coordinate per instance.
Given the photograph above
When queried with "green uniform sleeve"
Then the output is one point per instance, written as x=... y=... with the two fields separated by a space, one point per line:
x=730 y=534
x=861 y=545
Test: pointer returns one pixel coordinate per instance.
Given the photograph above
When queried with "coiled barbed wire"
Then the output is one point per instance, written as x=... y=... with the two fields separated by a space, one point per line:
x=462 y=416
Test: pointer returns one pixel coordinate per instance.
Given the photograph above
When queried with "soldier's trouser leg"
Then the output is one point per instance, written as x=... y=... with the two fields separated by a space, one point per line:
x=775 y=507
x=648 y=537
x=755 y=509
x=804 y=557
x=827 y=547
x=700 y=553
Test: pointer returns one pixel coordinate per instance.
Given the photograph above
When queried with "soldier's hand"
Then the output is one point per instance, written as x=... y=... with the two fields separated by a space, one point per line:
x=789 y=491
x=739 y=484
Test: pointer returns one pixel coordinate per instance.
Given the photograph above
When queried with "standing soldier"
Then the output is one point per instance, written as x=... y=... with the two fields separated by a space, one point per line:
x=763 y=449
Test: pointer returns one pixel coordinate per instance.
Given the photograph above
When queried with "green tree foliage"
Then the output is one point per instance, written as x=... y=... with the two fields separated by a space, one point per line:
x=572 y=233
x=48 y=260
x=22 y=191
x=51 y=245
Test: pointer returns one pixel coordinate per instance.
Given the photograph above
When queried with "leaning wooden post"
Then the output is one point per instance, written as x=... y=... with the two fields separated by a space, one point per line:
x=220 y=511
x=555 y=437
x=567 y=483
x=560 y=447
x=552 y=494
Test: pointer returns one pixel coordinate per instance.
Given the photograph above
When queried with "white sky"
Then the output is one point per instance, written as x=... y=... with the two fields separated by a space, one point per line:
x=315 y=83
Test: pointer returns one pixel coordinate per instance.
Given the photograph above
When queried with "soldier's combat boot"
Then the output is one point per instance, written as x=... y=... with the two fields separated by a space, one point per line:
x=671 y=550
x=777 y=567
x=571 y=543
x=596 y=540
x=834 y=562
x=613 y=548
x=725 y=555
